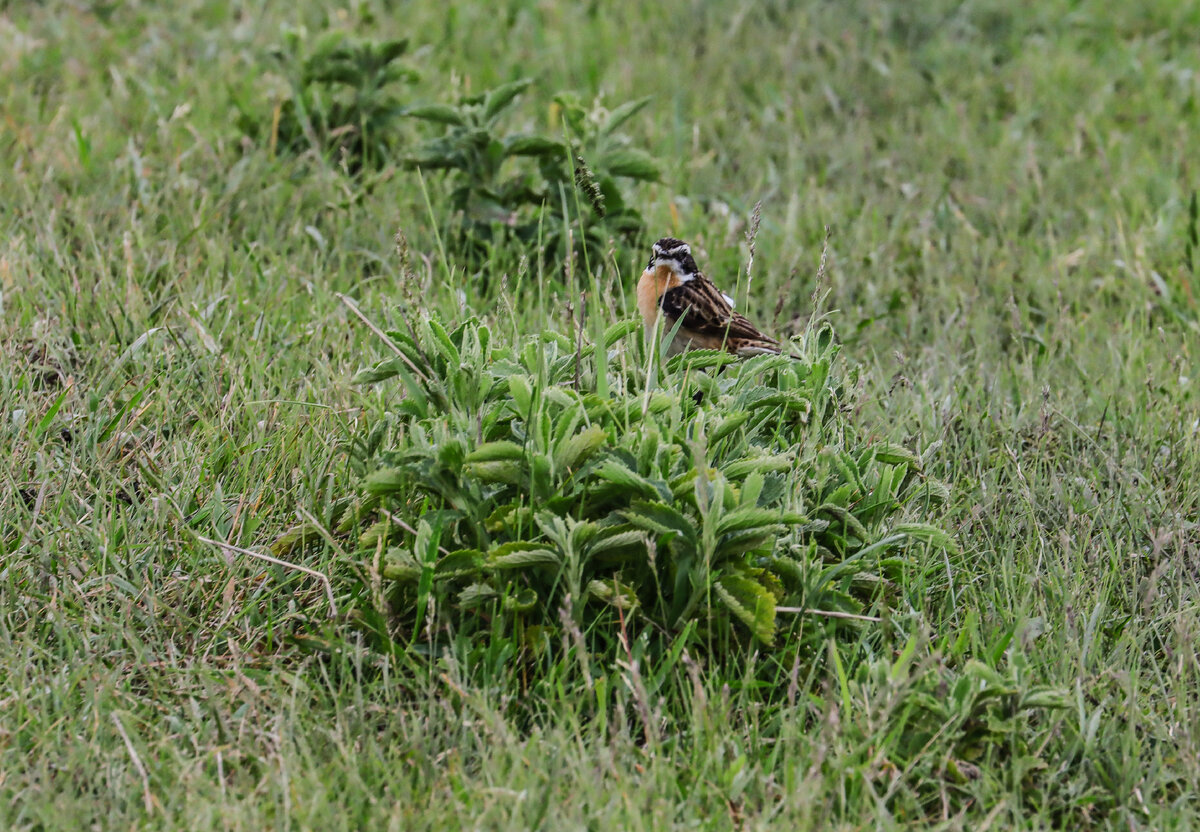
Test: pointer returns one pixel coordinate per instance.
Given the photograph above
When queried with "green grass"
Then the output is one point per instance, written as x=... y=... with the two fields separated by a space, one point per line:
x=1007 y=189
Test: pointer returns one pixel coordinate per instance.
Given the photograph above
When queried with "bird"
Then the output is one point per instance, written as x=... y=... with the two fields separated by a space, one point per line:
x=674 y=287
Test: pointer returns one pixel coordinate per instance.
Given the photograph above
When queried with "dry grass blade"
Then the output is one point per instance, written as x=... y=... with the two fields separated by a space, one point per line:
x=321 y=576
x=383 y=336
x=828 y=614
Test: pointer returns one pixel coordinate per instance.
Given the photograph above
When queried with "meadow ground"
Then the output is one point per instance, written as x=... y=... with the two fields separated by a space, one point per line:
x=1010 y=191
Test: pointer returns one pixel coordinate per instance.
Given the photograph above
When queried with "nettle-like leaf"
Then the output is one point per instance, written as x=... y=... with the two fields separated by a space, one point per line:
x=617 y=505
x=632 y=164
x=751 y=602
x=343 y=100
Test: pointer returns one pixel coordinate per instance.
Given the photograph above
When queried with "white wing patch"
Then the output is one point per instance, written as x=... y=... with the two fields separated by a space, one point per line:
x=728 y=300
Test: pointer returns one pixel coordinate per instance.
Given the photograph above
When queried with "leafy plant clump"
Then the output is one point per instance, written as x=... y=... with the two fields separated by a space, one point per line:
x=553 y=194
x=569 y=186
x=535 y=492
x=342 y=101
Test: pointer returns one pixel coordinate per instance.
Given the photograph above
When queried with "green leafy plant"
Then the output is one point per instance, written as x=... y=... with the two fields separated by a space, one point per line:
x=567 y=187
x=514 y=491
x=342 y=99
x=942 y=718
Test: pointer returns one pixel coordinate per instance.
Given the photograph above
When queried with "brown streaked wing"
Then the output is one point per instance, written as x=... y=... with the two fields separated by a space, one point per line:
x=705 y=310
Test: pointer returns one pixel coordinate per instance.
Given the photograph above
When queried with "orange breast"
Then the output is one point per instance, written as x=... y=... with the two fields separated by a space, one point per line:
x=650 y=289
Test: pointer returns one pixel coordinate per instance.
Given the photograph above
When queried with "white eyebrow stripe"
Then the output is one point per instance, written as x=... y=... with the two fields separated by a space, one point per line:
x=685 y=248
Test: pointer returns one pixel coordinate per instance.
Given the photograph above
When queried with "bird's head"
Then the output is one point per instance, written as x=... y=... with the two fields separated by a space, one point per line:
x=674 y=255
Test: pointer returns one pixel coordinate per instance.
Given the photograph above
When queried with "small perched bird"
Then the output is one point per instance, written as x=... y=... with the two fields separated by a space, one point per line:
x=673 y=286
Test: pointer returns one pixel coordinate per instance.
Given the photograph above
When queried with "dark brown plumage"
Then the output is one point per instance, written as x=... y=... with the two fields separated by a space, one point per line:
x=674 y=287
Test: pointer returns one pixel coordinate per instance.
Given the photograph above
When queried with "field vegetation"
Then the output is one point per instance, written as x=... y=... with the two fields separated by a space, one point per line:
x=341 y=490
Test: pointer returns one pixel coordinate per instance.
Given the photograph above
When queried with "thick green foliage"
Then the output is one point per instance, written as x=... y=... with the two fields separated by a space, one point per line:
x=542 y=193
x=342 y=98
x=571 y=190
x=544 y=488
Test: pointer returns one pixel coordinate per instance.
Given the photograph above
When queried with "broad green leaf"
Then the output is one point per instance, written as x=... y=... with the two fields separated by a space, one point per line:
x=521 y=389
x=728 y=425
x=618 y=542
x=458 y=564
x=618 y=474
x=520 y=554
x=932 y=490
x=843 y=516
x=700 y=359
x=738 y=469
x=523 y=601
x=928 y=533
x=751 y=518
x=752 y=487
x=619 y=330
x=895 y=454
x=623 y=113
x=440 y=341
x=580 y=447
x=400 y=566
x=497 y=470
x=630 y=163
x=1044 y=697
x=749 y=540
x=440 y=113
x=495 y=451
x=661 y=518
x=529 y=557
x=390 y=50
x=496 y=100
x=533 y=146
x=477 y=595
x=295 y=537
x=387 y=481
x=751 y=602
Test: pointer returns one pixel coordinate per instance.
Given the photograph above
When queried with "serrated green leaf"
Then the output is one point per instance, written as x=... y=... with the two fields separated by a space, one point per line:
x=632 y=164
x=390 y=50
x=728 y=425
x=293 y=538
x=520 y=387
x=387 y=481
x=533 y=146
x=528 y=557
x=773 y=462
x=495 y=451
x=496 y=100
x=622 y=114
x=748 y=540
x=476 y=595
x=700 y=360
x=751 y=518
x=618 y=474
x=620 y=330
x=1043 y=697
x=382 y=371
x=506 y=471
x=661 y=518
x=893 y=454
x=751 y=602
x=617 y=542
x=928 y=533
x=580 y=447
x=440 y=113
